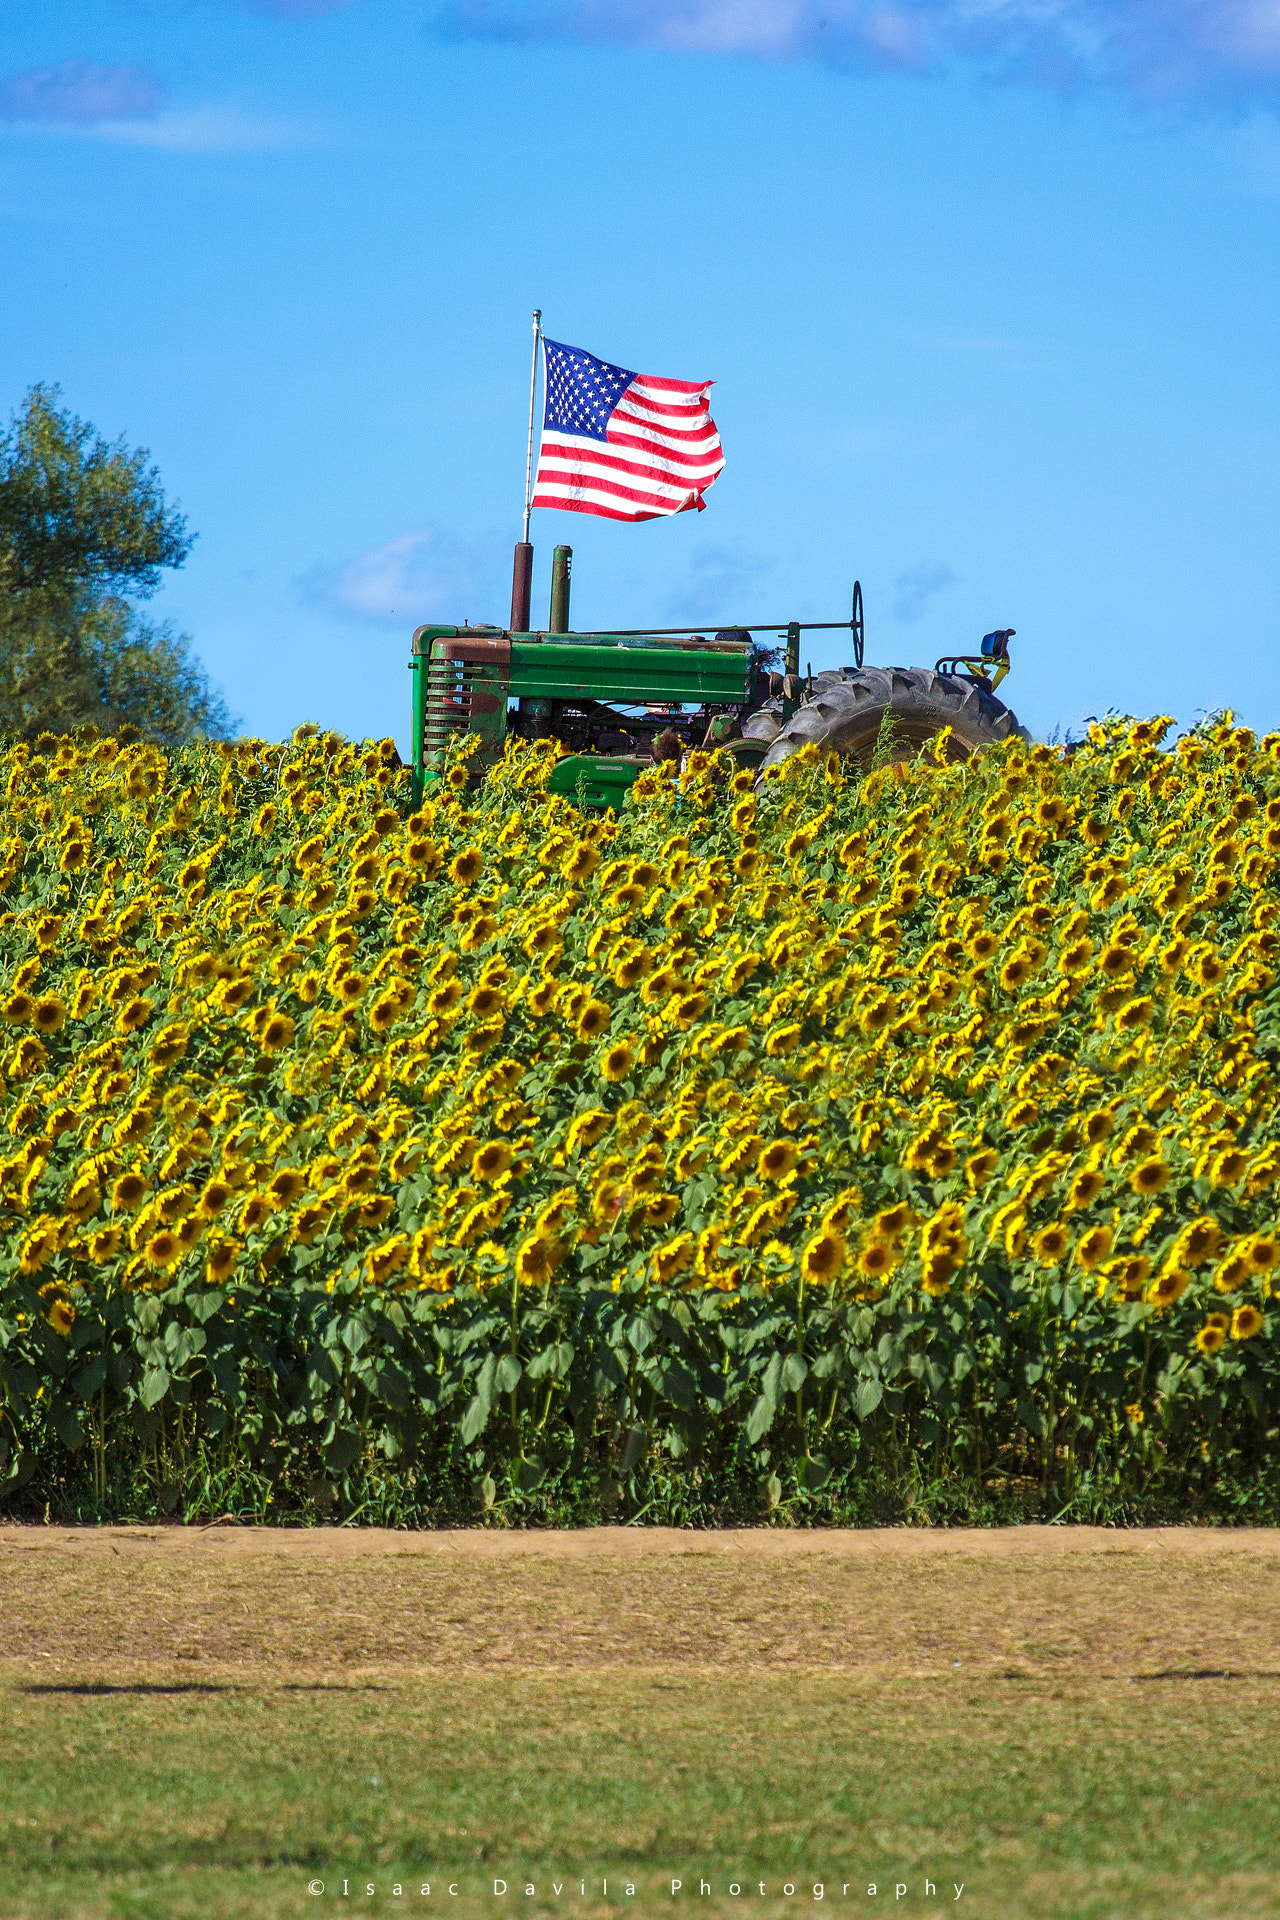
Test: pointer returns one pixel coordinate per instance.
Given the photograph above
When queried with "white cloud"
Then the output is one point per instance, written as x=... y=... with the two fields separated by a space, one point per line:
x=76 y=93
x=914 y=589
x=125 y=104
x=418 y=576
x=209 y=129
x=1158 y=49
x=203 y=129
x=719 y=587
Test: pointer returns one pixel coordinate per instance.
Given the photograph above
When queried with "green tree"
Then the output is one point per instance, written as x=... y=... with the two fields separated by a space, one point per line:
x=83 y=523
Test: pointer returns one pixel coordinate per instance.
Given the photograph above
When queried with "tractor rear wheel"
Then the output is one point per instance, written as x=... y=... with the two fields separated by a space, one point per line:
x=846 y=714
x=765 y=723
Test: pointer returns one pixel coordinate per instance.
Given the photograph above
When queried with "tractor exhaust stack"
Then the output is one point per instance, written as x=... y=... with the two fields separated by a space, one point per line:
x=561 y=566
x=521 y=587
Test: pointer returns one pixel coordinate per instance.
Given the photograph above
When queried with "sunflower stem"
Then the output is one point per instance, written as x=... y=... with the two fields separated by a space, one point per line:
x=515 y=1343
x=799 y=1350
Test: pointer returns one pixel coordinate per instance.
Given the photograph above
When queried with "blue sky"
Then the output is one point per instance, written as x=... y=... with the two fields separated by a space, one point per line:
x=988 y=290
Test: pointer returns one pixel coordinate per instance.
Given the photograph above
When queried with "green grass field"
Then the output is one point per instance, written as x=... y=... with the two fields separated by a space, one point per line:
x=205 y=1763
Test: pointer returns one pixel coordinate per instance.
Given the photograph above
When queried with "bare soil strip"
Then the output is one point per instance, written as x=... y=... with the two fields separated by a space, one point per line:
x=1027 y=1602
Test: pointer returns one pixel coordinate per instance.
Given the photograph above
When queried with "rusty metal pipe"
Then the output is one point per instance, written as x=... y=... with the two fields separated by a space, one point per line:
x=521 y=587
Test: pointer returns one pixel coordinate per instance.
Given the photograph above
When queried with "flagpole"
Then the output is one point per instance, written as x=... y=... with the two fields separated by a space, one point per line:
x=522 y=569
x=533 y=382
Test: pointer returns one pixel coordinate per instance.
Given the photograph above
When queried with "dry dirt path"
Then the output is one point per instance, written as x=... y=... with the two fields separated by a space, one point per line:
x=1027 y=1601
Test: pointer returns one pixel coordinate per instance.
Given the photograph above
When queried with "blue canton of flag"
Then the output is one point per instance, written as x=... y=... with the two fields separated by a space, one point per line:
x=582 y=391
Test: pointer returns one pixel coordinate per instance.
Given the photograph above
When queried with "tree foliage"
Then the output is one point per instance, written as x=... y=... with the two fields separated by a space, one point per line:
x=83 y=522
x=78 y=514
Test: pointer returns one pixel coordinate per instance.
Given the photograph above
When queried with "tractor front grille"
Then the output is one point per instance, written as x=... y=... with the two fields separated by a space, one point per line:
x=451 y=690
x=466 y=693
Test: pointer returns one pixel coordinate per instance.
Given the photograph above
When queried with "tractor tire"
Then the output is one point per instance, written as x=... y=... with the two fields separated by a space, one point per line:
x=765 y=723
x=845 y=711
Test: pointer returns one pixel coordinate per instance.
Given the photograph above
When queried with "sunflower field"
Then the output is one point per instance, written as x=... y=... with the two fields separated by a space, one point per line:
x=748 y=1151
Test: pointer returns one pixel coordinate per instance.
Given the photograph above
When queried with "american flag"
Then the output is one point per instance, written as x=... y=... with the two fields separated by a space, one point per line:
x=622 y=444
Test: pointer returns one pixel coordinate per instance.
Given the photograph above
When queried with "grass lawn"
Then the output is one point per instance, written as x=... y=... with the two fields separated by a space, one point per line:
x=1069 y=1726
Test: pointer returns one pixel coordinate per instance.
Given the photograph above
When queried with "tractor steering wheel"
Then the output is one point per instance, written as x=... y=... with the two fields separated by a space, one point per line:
x=855 y=623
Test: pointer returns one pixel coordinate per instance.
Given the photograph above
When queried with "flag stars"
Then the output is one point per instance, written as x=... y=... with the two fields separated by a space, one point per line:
x=582 y=391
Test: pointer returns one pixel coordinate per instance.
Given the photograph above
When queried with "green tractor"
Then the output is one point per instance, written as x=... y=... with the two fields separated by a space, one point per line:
x=619 y=701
